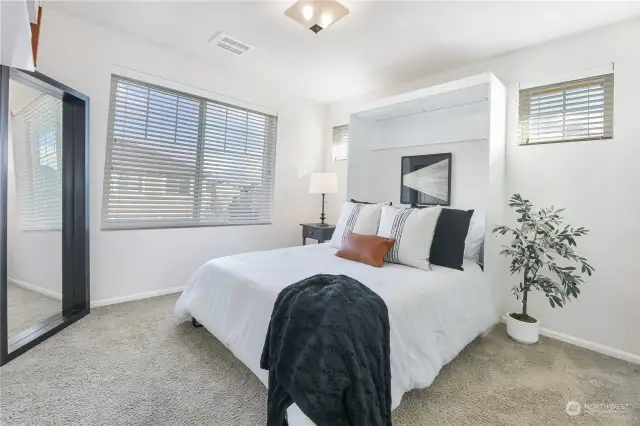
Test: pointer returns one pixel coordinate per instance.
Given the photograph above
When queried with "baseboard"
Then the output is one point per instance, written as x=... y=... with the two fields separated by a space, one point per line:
x=587 y=344
x=137 y=296
x=35 y=288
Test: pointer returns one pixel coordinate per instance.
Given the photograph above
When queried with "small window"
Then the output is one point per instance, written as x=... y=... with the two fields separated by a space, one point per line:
x=37 y=152
x=578 y=110
x=178 y=160
x=340 y=143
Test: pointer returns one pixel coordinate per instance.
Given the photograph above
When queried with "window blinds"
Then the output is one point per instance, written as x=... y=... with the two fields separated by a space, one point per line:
x=37 y=149
x=340 y=145
x=178 y=160
x=571 y=111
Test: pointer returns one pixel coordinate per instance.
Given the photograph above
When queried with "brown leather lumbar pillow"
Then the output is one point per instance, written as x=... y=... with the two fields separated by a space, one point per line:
x=369 y=249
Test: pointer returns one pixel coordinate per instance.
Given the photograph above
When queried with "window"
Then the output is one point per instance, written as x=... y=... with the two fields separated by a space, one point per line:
x=340 y=142
x=577 y=110
x=37 y=153
x=177 y=160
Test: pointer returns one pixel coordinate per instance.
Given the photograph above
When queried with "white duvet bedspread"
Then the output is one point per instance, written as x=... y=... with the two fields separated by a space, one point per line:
x=433 y=314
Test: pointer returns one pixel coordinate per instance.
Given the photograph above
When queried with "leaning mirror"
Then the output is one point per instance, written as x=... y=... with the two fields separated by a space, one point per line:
x=34 y=210
x=44 y=213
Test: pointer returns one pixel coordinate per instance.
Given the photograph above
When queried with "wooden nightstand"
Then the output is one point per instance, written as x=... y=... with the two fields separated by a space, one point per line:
x=318 y=232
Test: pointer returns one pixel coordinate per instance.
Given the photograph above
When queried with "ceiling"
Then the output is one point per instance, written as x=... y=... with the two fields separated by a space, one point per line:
x=378 y=44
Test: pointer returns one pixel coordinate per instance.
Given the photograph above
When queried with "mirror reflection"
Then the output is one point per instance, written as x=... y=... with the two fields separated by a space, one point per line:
x=34 y=211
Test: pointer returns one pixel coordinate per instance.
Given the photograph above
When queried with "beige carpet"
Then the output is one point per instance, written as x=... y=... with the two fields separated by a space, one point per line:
x=26 y=308
x=131 y=364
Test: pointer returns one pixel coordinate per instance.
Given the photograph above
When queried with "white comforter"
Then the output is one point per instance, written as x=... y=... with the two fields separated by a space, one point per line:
x=433 y=314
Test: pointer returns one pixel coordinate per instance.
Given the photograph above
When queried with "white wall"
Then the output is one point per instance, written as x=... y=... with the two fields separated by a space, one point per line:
x=125 y=263
x=597 y=182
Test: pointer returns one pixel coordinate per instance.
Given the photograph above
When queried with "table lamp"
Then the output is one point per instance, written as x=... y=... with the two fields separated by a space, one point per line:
x=323 y=183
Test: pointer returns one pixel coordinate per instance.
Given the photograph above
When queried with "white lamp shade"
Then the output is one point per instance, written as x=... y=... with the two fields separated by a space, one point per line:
x=323 y=183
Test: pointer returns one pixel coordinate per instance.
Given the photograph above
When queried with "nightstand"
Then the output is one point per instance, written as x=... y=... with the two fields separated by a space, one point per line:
x=318 y=232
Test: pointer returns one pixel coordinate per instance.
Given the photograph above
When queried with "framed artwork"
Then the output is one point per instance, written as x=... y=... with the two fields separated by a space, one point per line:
x=426 y=179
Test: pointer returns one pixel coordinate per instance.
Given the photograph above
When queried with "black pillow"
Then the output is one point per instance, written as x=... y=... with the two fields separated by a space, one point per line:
x=447 y=248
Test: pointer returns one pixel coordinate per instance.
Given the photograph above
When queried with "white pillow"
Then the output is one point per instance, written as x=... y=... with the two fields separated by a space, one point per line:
x=475 y=238
x=413 y=231
x=358 y=218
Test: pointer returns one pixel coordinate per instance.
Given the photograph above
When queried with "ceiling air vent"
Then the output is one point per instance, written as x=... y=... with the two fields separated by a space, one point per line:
x=231 y=44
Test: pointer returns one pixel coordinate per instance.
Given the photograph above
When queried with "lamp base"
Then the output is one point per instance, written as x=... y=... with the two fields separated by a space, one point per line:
x=322 y=215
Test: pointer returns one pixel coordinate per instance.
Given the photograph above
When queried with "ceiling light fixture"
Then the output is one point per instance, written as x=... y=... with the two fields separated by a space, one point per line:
x=316 y=14
x=307 y=12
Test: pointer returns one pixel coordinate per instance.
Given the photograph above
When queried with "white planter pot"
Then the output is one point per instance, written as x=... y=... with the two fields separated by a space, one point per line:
x=523 y=332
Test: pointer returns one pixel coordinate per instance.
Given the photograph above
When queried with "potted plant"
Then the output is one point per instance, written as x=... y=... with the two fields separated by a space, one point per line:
x=541 y=245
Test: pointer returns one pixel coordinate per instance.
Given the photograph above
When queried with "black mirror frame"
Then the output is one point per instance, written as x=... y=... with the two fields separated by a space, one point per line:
x=75 y=212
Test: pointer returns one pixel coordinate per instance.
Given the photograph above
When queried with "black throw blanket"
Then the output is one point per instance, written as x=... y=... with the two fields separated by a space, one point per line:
x=327 y=350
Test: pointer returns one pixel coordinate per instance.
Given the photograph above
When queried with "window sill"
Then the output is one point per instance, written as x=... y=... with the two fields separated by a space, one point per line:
x=138 y=227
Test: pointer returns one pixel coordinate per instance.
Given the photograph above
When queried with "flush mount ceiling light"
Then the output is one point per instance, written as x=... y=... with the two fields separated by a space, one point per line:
x=316 y=14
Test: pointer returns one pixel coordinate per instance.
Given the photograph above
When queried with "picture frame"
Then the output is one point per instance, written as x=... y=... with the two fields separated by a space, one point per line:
x=425 y=180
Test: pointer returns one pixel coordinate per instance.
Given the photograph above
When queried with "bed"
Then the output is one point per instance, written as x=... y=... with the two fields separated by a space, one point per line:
x=433 y=314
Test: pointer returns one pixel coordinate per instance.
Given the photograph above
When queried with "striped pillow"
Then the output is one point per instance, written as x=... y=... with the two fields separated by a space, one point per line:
x=358 y=218
x=413 y=231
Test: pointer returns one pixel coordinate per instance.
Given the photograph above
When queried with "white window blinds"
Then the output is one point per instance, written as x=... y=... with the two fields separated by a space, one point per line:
x=576 y=110
x=340 y=145
x=178 y=160
x=37 y=153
